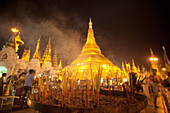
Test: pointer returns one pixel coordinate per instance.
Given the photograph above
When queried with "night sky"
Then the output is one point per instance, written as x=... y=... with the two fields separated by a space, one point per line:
x=124 y=29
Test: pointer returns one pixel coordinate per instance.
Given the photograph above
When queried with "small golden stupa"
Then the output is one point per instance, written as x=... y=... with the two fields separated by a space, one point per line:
x=91 y=59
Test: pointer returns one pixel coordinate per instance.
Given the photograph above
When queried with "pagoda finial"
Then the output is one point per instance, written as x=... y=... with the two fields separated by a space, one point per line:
x=90 y=31
x=91 y=43
x=90 y=23
x=55 y=61
x=37 y=54
x=47 y=54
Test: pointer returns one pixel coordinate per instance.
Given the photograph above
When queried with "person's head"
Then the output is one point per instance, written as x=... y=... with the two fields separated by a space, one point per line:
x=31 y=71
x=154 y=71
x=3 y=74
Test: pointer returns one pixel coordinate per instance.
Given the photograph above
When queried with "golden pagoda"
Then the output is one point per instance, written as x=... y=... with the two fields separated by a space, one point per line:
x=47 y=54
x=55 y=61
x=26 y=55
x=15 y=40
x=91 y=59
x=37 y=54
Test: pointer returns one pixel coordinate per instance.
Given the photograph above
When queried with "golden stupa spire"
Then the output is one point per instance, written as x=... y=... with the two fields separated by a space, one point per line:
x=26 y=55
x=91 y=45
x=60 y=65
x=90 y=59
x=47 y=54
x=37 y=54
x=55 y=61
x=15 y=40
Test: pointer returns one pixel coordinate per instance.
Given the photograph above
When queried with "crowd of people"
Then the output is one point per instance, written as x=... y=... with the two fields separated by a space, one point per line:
x=152 y=84
x=22 y=86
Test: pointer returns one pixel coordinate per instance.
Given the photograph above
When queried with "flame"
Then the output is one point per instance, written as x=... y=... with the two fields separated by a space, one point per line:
x=14 y=30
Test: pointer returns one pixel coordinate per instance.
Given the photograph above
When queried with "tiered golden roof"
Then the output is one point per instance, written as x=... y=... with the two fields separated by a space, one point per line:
x=47 y=54
x=26 y=55
x=55 y=61
x=91 y=58
x=37 y=54
x=14 y=41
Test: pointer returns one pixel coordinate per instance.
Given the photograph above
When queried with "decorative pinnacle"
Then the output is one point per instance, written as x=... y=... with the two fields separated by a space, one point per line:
x=90 y=23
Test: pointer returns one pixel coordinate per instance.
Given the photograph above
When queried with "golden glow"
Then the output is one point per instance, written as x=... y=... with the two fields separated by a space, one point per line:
x=101 y=80
x=91 y=59
x=153 y=59
x=28 y=102
x=110 y=82
x=14 y=30
x=163 y=69
x=124 y=79
x=26 y=55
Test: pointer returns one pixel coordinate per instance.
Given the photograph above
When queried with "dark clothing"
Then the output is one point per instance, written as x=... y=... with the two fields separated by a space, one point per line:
x=19 y=94
x=26 y=92
x=1 y=86
x=1 y=90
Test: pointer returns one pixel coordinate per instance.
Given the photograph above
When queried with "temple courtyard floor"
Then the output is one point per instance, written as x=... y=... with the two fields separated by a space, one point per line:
x=149 y=109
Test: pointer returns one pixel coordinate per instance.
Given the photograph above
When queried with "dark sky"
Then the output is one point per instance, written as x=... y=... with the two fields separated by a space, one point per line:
x=124 y=29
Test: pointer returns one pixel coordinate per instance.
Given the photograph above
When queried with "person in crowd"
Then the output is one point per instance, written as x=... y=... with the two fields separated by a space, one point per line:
x=146 y=86
x=166 y=82
x=29 y=79
x=155 y=79
x=156 y=84
x=2 y=83
x=19 y=87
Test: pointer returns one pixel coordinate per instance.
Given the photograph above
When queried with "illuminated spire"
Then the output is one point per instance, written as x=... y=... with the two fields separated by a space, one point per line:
x=37 y=54
x=151 y=52
x=15 y=40
x=91 y=45
x=123 y=66
x=60 y=65
x=26 y=55
x=55 y=61
x=47 y=54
